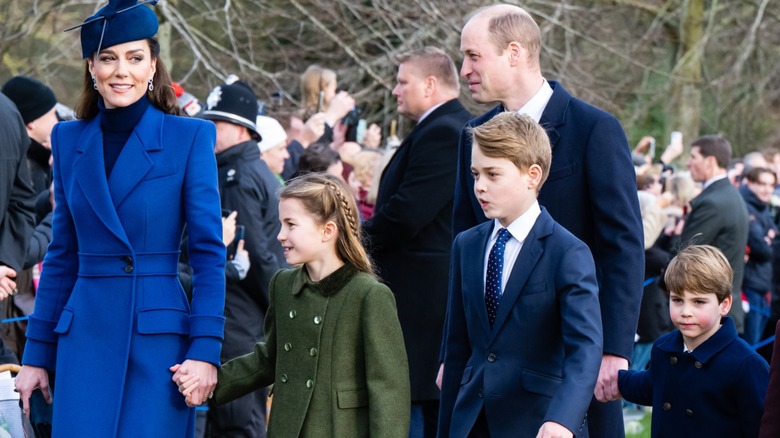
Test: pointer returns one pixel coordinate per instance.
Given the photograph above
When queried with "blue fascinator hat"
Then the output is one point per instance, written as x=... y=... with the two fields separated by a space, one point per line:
x=120 y=21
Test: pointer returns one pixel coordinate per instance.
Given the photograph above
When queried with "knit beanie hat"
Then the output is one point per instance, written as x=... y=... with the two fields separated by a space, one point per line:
x=32 y=98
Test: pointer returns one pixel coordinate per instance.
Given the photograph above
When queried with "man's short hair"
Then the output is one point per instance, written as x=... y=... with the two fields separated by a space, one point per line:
x=517 y=138
x=754 y=174
x=700 y=269
x=714 y=146
x=509 y=23
x=432 y=61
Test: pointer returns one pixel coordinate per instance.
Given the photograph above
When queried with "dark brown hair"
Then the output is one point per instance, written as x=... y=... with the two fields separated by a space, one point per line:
x=714 y=146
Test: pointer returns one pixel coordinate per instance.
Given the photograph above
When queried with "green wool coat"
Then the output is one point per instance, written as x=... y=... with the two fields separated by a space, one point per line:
x=335 y=353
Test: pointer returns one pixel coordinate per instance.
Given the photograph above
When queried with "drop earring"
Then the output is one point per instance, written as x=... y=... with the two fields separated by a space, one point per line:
x=151 y=85
x=94 y=83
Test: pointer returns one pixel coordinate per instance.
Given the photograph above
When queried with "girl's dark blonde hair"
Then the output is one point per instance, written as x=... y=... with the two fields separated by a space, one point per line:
x=327 y=198
x=162 y=97
x=313 y=80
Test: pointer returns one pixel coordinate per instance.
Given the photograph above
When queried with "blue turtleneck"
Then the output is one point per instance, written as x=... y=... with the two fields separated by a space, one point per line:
x=117 y=125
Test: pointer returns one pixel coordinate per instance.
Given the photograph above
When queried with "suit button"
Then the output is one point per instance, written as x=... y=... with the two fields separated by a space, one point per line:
x=292 y=314
x=698 y=364
x=317 y=319
x=309 y=383
x=673 y=360
x=689 y=412
x=313 y=352
x=283 y=378
x=491 y=357
x=667 y=406
x=287 y=346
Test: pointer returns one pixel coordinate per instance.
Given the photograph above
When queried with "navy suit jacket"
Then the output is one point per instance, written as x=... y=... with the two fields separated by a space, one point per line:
x=591 y=191
x=540 y=360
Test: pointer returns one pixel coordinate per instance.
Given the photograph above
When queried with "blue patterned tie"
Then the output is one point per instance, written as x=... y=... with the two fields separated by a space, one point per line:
x=495 y=268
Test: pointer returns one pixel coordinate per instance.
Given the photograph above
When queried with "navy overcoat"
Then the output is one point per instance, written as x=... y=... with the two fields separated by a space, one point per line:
x=110 y=314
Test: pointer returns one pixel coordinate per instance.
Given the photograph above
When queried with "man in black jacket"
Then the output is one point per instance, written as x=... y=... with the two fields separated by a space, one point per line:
x=410 y=233
x=246 y=186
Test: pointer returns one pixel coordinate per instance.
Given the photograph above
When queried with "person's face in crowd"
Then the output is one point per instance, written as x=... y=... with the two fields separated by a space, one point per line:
x=701 y=167
x=329 y=91
x=40 y=128
x=229 y=134
x=122 y=72
x=485 y=66
x=697 y=316
x=764 y=187
x=654 y=186
x=301 y=236
x=410 y=91
x=275 y=157
x=503 y=191
x=336 y=169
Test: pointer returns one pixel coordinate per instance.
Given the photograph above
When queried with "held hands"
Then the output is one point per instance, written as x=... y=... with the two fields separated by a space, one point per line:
x=607 y=383
x=551 y=429
x=28 y=380
x=196 y=381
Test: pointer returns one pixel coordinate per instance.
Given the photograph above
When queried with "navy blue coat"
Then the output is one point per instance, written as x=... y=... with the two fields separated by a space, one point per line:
x=540 y=360
x=110 y=314
x=591 y=191
x=717 y=390
x=758 y=268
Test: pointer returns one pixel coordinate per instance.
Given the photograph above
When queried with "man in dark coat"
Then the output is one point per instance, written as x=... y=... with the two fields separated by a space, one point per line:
x=590 y=189
x=410 y=233
x=246 y=186
x=718 y=214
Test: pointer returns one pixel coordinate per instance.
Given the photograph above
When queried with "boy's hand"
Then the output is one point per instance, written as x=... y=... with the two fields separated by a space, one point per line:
x=607 y=383
x=553 y=430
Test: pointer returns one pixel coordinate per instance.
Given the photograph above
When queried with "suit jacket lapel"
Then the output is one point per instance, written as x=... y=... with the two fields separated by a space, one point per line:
x=134 y=161
x=526 y=262
x=475 y=262
x=555 y=111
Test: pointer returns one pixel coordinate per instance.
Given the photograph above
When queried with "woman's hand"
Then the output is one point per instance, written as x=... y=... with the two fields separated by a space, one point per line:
x=28 y=380
x=196 y=380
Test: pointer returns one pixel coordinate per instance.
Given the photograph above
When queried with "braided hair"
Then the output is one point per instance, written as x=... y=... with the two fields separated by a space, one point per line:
x=328 y=198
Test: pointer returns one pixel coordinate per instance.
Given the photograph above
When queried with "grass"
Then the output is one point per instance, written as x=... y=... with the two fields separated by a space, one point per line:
x=645 y=427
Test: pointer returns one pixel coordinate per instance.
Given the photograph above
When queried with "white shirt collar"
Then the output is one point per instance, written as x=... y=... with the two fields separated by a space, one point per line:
x=430 y=110
x=712 y=180
x=535 y=107
x=520 y=227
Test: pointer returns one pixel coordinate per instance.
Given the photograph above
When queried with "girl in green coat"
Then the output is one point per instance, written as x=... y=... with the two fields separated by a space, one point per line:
x=333 y=346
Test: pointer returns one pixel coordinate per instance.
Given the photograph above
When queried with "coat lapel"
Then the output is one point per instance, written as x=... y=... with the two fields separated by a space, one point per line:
x=555 y=111
x=134 y=161
x=90 y=174
x=526 y=261
x=475 y=262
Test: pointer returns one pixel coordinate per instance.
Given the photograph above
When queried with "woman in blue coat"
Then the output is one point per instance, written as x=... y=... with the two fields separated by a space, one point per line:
x=110 y=315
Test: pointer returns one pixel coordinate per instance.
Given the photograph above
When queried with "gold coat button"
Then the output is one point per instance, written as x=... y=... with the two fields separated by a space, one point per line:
x=283 y=378
x=667 y=406
x=292 y=314
x=313 y=352
x=287 y=346
x=317 y=319
x=698 y=364
x=309 y=383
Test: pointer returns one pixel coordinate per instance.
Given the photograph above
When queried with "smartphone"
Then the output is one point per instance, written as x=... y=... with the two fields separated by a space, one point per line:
x=239 y=233
x=320 y=101
x=652 y=148
x=676 y=137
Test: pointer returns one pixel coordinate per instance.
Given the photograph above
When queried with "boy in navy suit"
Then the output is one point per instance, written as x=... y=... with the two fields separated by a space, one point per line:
x=523 y=331
x=703 y=379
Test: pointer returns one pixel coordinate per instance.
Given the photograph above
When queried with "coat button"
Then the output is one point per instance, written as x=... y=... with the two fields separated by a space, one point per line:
x=689 y=412
x=287 y=346
x=698 y=364
x=673 y=360
x=313 y=352
x=491 y=358
x=283 y=378
x=129 y=268
x=667 y=406
x=309 y=383
x=292 y=314
x=317 y=319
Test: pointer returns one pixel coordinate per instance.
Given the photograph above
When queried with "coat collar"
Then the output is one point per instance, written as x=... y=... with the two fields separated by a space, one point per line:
x=707 y=350
x=105 y=196
x=328 y=286
x=554 y=114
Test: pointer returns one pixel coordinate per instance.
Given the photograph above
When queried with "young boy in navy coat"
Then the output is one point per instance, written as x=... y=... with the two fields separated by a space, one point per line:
x=523 y=331
x=703 y=379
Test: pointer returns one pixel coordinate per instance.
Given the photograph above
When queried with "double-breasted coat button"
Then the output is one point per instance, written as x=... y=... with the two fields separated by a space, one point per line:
x=491 y=358
x=309 y=383
x=689 y=412
x=313 y=352
x=292 y=314
x=283 y=378
x=698 y=364
x=673 y=360
x=287 y=346
x=317 y=319
x=667 y=406
x=129 y=265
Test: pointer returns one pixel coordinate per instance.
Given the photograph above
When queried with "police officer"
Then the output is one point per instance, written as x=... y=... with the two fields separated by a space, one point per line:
x=247 y=186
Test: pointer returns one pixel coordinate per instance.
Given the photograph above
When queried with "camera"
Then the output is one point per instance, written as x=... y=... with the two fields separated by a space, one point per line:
x=351 y=121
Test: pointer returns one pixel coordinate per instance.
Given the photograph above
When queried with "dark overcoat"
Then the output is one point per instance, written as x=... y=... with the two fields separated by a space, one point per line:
x=110 y=315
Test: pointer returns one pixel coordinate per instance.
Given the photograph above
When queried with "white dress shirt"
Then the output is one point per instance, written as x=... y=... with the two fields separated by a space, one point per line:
x=518 y=231
x=535 y=107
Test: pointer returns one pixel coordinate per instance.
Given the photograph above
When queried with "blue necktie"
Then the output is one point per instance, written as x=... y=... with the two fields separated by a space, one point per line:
x=495 y=268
